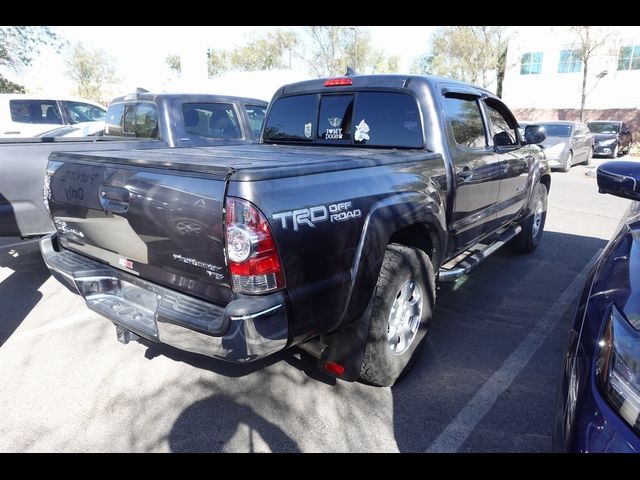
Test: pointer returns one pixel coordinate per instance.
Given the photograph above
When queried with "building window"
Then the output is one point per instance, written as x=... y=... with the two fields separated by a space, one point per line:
x=569 y=61
x=629 y=58
x=531 y=63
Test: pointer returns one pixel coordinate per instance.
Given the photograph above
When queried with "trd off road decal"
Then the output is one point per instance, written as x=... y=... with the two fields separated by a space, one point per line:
x=336 y=212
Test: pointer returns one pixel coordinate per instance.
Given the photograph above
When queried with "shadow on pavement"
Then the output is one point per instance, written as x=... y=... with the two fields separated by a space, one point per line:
x=19 y=290
x=477 y=324
x=210 y=424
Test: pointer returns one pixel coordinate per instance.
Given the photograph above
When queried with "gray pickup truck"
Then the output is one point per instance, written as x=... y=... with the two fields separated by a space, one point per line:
x=140 y=120
x=329 y=235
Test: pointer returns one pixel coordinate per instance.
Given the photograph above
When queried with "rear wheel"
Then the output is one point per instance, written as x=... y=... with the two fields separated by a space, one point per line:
x=402 y=309
x=532 y=226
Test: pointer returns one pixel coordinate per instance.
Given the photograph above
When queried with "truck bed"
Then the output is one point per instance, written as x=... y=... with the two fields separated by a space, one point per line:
x=252 y=162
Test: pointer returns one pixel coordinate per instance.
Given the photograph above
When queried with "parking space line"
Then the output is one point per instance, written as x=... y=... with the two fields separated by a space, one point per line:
x=459 y=429
x=50 y=327
x=19 y=244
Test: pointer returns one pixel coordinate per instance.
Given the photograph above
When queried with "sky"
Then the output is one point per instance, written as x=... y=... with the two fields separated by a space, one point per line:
x=140 y=52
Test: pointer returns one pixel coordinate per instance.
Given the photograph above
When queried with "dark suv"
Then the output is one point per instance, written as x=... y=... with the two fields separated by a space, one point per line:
x=610 y=137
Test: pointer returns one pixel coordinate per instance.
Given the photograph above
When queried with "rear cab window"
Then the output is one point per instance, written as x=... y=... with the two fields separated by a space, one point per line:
x=211 y=120
x=364 y=118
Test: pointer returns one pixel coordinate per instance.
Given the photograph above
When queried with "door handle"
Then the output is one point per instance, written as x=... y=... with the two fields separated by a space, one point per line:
x=466 y=174
x=114 y=199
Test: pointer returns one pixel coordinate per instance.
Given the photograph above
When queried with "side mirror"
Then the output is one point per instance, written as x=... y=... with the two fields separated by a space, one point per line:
x=534 y=134
x=626 y=131
x=620 y=178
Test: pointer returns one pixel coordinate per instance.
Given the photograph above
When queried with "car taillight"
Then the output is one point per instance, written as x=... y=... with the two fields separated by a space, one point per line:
x=251 y=250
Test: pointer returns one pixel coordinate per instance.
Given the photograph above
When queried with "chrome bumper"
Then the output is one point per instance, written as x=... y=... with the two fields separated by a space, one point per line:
x=245 y=330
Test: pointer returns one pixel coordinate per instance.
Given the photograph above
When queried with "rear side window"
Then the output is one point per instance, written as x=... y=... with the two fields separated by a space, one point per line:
x=35 y=111
x=211 y=120
x=255 y=114
x=381 y=119
x=132 y=120
x=463 y=115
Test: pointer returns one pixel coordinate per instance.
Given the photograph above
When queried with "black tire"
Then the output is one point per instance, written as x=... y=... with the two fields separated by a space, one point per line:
x=616 y=151
x=380 y=365
x=529 y=238
x=568 y=162
x=589 y=159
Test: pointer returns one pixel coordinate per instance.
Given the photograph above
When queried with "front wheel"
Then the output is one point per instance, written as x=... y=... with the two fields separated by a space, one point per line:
x=532 y=226
x=402 y=309
x=616 y=151
x=568 y=162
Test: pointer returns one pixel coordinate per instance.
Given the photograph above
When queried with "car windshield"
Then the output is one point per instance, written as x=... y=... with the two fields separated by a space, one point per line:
x=557 y=129
x=604 y=127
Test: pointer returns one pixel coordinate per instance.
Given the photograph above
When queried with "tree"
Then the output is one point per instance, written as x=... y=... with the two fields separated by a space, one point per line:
x=334 y=48
x=475 y=54
x=590 y=41
x=218 y=62
x=422 y=65
x=173 y=61
x=19 y=45
x=91 y=70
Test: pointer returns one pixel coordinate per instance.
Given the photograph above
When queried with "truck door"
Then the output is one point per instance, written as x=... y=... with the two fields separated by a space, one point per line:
x=514 y=160
x=476 y=169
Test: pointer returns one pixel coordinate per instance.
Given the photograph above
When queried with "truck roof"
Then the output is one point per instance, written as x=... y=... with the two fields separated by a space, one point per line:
x=190 y=96
x=411 y=82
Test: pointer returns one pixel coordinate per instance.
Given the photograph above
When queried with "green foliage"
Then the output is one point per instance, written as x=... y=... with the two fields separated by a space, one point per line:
x=473 y=54
x=422 y=65
x=334 y=48
x=261 y=53
x=19 y=45
x=7 y=86
x=173 y=61
x=218 y=62
x=91 y=70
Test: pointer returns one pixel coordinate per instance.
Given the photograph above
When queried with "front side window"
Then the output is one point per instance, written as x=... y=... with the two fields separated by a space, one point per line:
x=531 y=63
x=501 y=131
x=84 y=112
x=35 y=111
x=211 y=120
x=465 y=120
x=255 y=114
x=629 y=58
x=570 y=61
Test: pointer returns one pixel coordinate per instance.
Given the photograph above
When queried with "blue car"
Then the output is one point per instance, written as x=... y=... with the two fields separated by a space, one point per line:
x=599 y=398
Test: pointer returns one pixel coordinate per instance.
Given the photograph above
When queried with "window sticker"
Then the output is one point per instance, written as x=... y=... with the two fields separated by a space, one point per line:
x=334 y=133
x=362 y=131
x=307 y=130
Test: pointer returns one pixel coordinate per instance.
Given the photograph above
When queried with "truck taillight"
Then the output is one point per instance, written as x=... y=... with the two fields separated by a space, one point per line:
x=251 y=250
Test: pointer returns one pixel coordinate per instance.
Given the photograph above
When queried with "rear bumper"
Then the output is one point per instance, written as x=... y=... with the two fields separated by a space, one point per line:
x=245 y=330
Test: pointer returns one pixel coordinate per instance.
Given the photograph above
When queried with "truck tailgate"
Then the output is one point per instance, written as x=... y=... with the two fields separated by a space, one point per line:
x=165 y=226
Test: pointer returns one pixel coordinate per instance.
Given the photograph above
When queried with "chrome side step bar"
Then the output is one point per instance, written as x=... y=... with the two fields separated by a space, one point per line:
x=453 y=270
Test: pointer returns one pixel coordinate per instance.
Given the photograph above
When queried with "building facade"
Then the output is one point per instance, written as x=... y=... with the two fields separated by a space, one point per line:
x=544 y=75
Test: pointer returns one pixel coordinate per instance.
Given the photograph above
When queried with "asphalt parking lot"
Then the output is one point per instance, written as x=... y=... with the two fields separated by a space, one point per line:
x=485 y=380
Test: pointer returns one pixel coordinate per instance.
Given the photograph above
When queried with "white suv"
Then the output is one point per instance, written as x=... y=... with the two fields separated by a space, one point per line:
x=23 y=115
